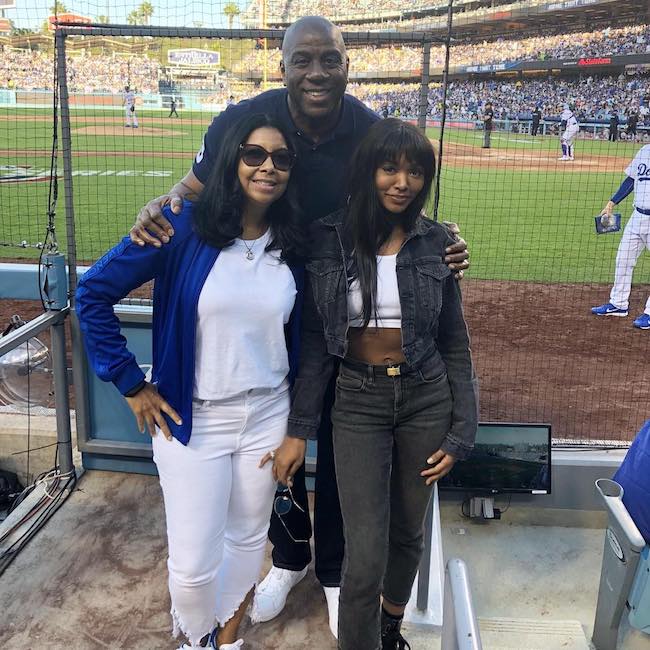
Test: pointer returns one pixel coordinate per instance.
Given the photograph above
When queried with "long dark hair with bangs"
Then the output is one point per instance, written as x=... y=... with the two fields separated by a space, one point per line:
x=218 y=213
x=368 y=224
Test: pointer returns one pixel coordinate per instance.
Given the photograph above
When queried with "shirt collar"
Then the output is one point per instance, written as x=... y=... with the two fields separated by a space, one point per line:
x=344 y=127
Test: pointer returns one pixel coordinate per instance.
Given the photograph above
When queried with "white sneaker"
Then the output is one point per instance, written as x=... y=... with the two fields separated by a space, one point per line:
x=332 y=597
x=563 y=158
x=271 y=594
x=571 y=158
x=232 y=646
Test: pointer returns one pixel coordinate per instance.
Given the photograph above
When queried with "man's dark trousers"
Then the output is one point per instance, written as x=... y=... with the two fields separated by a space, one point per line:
x=328 y=525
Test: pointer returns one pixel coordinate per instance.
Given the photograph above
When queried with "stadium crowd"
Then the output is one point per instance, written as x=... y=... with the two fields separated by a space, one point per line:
x=605 y=42
x=593 y=98
x=33 y=70
x=281 y=12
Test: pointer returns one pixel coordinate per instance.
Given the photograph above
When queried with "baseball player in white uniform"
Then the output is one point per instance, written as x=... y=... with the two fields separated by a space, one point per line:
x=636 y=237
x=569 y=131
x=128 y=101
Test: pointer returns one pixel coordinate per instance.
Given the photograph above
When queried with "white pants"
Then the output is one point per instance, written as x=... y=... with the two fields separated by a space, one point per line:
x=130 y=116
x=218 y=504
x=636 y=238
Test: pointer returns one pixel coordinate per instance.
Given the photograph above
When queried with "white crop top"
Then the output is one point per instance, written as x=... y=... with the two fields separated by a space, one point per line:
x=389 y=310
x=243 y=308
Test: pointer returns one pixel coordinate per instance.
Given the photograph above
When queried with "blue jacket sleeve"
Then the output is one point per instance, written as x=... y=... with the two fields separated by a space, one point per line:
x=624 y=190
x=122 y=269
x=111 y=278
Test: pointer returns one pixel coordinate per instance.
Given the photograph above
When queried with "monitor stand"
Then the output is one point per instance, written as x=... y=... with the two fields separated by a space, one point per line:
x=481 y=507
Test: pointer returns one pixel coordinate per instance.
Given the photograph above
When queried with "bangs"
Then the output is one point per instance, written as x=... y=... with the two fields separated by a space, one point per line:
x=407 y=142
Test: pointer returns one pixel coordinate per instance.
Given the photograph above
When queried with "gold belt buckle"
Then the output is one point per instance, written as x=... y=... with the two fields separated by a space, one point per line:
x=393 y=371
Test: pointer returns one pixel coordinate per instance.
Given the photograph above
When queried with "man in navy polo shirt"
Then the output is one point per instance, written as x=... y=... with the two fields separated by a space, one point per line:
x=327 y=125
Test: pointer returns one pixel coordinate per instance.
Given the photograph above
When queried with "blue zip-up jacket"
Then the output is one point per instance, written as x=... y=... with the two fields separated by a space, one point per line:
x=179 y=269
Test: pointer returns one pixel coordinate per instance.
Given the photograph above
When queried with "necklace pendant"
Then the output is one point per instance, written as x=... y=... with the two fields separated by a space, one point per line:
x=250 y=255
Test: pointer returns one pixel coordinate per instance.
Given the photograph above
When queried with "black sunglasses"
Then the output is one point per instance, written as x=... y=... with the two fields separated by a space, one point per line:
x=254 y=156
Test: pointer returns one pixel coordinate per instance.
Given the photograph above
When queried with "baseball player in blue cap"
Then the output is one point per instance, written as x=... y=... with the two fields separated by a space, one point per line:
x=636 y=238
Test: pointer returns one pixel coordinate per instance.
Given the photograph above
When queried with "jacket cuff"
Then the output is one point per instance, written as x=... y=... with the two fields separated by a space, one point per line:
x=129 y=377
x=302 y=428
x=456 y=448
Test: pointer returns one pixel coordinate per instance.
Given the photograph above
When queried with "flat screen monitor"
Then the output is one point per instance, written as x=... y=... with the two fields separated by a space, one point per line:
x=506 y=458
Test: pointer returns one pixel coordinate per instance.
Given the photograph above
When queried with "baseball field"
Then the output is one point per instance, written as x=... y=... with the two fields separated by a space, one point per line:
x=527 y=215
x=537 y=264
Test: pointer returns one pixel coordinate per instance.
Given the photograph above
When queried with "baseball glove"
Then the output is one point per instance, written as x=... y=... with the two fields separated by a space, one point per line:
x=133 y=108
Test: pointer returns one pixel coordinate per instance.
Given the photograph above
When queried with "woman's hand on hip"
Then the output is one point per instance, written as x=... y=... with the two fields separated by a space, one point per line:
x=287 y=459
x=441 y=466
x=148 y=407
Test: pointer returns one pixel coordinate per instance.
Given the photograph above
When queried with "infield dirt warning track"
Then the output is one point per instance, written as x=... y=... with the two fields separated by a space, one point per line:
x=458 y=155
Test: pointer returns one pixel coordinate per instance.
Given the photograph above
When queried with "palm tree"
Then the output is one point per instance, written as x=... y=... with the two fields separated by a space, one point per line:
x=231 y=11
x=104 y=20
x=146 y=11
x=133 y=18
x=58 y=8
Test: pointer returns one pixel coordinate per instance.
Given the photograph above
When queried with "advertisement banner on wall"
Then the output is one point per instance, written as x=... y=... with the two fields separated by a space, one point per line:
x=193 y=57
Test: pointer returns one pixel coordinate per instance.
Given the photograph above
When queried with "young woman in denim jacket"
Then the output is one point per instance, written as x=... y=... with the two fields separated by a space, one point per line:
x=379 y=297
x=226 y=328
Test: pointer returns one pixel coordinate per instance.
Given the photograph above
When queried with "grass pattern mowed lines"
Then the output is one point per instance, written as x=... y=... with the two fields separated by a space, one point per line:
x=521 y=225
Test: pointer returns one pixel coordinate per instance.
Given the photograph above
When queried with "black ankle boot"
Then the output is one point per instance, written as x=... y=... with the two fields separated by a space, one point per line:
x=391 y=637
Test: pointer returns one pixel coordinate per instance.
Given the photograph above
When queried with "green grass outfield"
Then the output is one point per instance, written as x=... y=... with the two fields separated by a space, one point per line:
x=521 y=224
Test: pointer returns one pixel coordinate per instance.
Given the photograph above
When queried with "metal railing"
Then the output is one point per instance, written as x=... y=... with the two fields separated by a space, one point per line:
x=460 y=629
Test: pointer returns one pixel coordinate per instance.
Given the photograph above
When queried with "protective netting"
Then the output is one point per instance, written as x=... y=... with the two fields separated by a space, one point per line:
x=538 y=266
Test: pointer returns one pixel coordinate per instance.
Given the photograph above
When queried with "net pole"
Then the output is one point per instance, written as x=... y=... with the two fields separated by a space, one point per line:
x=265 y=64
x=66 y=140
x=424 y=87
x=443 y=117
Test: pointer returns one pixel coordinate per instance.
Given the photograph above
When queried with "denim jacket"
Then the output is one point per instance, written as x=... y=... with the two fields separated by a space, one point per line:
x=434 y=333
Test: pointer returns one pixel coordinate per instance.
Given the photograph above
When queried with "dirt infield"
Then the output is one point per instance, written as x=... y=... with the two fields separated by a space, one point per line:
x=457 y=154
x=108 y=129
x=98 y=154
x=542 y=357
x=100 y=119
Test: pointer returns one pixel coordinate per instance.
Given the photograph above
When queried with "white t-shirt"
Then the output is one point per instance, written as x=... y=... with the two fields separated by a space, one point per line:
x=242 y=310
x=388 y=307
x=639 y=170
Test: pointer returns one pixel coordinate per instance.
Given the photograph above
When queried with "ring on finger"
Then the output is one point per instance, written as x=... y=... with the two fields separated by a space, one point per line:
x=272 y=454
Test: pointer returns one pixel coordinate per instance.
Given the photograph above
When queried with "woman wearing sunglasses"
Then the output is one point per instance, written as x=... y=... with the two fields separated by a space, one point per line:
x=226 y=313
x=379 y=297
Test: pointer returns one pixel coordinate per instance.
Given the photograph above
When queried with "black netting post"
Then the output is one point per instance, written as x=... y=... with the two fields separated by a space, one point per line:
x=443 y=116
x=424 y=86
x=66 y=141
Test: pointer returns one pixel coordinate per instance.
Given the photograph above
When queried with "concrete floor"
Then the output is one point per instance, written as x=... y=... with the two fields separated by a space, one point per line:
x=95 y=576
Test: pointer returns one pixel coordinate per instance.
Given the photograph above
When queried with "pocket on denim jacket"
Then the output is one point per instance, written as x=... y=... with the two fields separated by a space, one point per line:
x=325 y=277
x=430 y=280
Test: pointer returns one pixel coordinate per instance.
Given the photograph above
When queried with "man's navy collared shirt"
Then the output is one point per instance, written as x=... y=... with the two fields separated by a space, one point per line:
x=320 y=168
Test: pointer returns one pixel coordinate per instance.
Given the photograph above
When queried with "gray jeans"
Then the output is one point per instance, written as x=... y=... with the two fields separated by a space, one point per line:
x=385 y=428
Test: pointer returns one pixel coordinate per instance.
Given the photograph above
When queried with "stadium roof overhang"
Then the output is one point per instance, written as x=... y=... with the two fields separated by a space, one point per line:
x=615 y=13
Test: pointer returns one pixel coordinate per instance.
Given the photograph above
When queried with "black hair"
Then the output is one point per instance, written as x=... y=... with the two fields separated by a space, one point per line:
x=368 y=224
x=218 y=213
